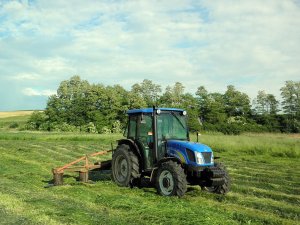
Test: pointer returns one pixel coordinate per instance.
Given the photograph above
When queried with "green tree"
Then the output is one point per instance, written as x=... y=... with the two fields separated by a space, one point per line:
x=236 y=102
x=202 y=94
x=189 y=103
x=272 y=104
x=291 y=98
x=135 y=101
x=36 y=120
x=211 y=106
x=260 y=103
x=96 y=105
x=214 y=109
x=202 y=102
x=80 y=104
x=147 y=90
x=266 y=104
x=173 y=96
x=69 y=105
x=106 y=104
x=117 y=101
x=265 y=111
x=291 y=104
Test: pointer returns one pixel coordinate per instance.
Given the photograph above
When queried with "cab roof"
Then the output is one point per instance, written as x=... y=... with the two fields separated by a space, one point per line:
x=150 y=110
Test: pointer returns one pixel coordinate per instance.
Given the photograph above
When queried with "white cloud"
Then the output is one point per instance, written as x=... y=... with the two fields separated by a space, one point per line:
x=253 y=45
x=33 y=92
x=26 y=76
x=48 y=92
x=53 y=65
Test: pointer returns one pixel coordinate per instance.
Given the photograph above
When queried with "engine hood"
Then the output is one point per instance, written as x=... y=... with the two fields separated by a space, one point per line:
x=197 y=147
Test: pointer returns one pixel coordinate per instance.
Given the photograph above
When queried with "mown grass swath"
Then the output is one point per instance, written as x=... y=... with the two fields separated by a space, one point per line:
x=264 y=170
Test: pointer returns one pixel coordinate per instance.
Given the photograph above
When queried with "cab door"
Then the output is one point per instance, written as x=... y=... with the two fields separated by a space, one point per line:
x=144 y=139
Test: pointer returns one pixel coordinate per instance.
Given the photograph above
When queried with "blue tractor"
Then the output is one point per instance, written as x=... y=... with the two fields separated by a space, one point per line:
x=157 y=147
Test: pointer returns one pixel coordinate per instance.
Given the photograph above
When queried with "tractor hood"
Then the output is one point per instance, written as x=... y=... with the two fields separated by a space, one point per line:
x=190 y=153
x=182 y=145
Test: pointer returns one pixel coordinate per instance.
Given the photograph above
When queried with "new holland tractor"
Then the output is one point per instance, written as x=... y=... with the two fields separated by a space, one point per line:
x=158 y=147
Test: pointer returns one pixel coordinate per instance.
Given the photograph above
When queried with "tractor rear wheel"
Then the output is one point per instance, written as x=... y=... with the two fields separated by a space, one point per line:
x=221 y=189
x=171 y=179
x=125 y=166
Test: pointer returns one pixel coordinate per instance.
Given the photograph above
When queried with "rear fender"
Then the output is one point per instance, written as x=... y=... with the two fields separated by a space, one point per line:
x=133 y=147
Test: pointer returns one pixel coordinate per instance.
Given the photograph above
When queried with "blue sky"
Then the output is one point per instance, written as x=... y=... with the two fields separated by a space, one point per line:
x=254 y=45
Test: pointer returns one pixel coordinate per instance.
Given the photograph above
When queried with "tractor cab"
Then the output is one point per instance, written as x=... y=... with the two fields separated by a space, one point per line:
x=151 y=132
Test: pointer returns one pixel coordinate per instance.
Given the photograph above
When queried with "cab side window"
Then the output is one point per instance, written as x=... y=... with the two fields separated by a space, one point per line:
x=132 y=127
x=145 y=129
x=146 y=126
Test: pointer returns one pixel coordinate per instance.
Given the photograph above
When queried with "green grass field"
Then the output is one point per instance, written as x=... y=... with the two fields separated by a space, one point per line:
x=265 y=172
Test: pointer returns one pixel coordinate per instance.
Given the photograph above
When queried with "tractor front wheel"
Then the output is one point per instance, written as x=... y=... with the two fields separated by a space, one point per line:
x=171 y=179
x=125 y=166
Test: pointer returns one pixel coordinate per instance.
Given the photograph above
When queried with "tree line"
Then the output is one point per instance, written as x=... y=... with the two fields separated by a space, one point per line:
x=96 y=108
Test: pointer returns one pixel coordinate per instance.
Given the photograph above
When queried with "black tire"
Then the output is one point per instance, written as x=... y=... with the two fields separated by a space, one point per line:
x=221 y=189
x=171 y=179
x=125 y=166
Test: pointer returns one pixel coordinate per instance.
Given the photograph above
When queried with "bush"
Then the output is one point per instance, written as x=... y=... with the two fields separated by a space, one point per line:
x=36 y=120
x=231 y=128
x=235 y=128
x=117 y=127
x=90 y=128
x=67 y=127
x=14 y=125
x=225 y=128
x=30 y=126
x=54 y=127
x=64 y=127
x=105 y=130
x=45 y=126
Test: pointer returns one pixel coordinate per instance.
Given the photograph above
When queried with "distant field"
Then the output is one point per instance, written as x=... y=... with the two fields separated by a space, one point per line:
x=265 y=172
x=15 y=119
x=15 y=113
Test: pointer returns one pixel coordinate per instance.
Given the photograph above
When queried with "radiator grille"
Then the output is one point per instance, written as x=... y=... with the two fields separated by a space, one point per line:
x=206 y=157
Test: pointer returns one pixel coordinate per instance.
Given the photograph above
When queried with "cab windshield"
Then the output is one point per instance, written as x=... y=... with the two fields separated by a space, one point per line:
x=172 y=125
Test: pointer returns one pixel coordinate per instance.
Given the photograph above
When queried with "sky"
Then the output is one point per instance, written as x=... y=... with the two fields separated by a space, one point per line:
x=253 y=45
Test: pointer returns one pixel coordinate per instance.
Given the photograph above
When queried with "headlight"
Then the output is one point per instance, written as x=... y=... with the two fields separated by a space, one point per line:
x=212 y=158
x=199 y=158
